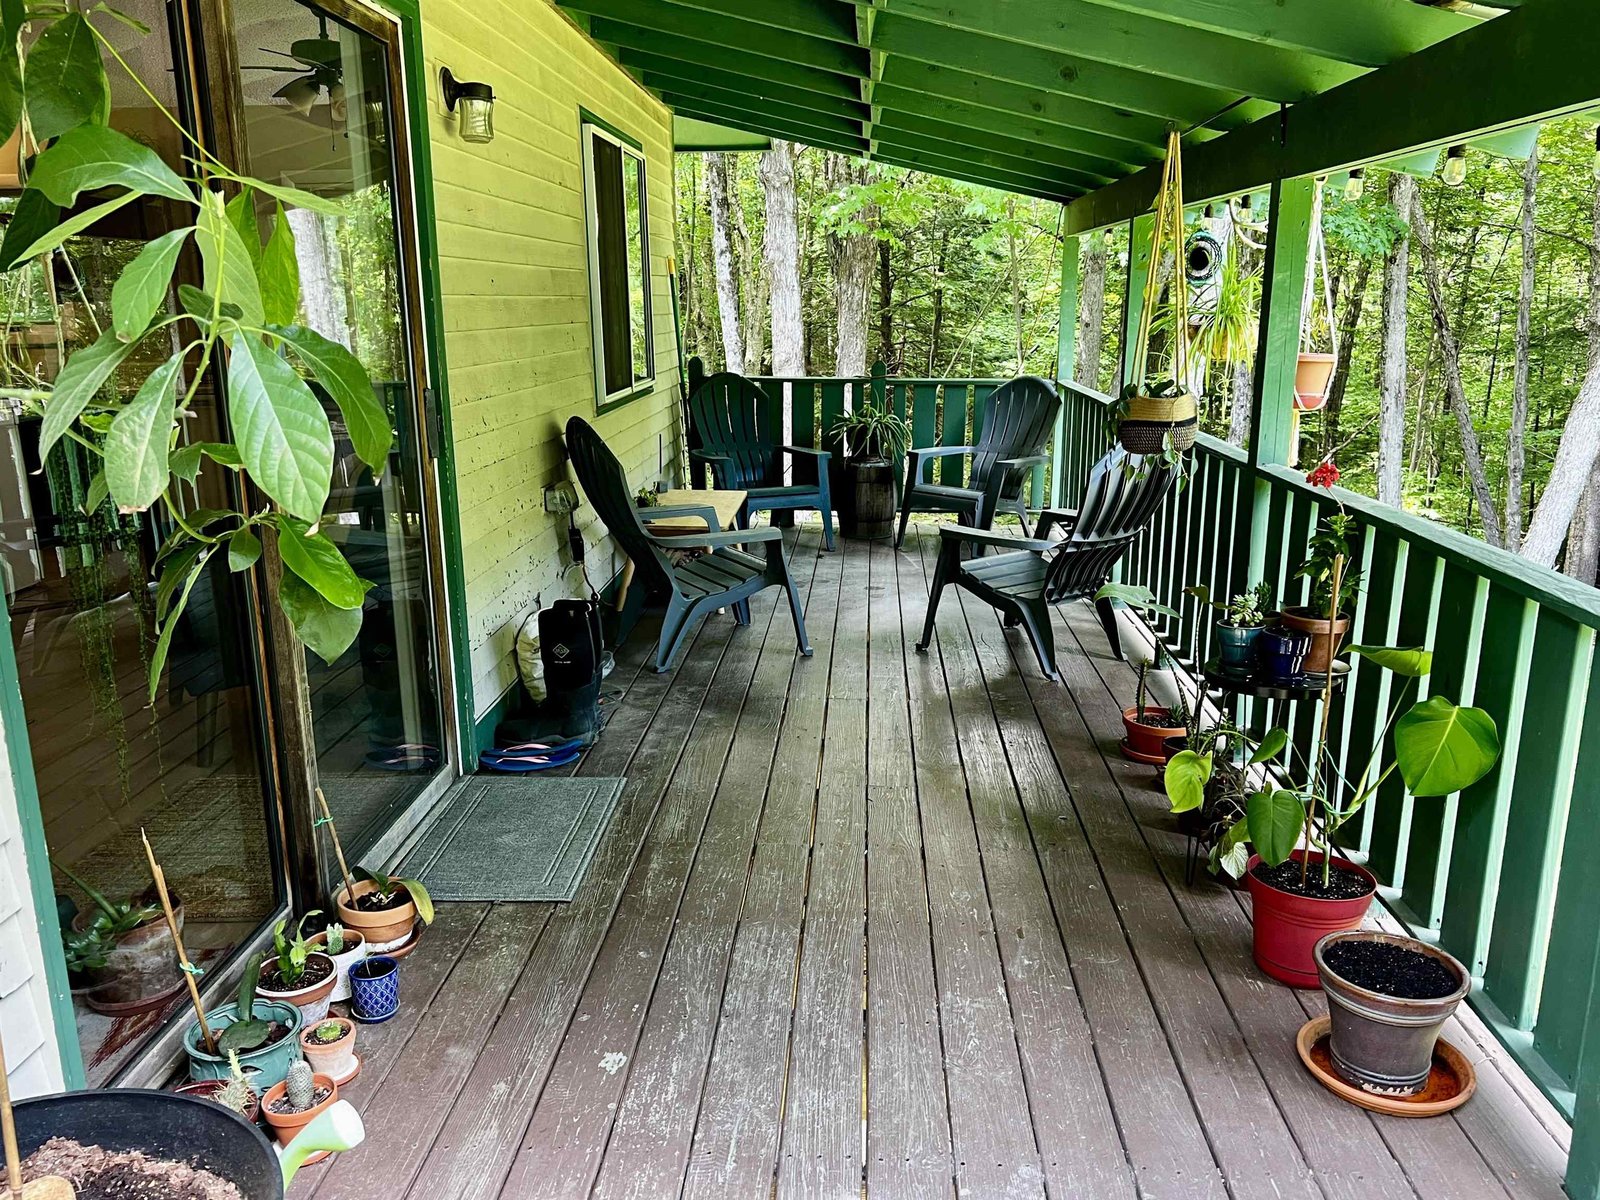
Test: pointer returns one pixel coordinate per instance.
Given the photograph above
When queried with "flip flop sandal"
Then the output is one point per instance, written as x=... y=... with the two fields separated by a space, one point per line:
x=408 y=757
x=524 y=764
x=520 y=748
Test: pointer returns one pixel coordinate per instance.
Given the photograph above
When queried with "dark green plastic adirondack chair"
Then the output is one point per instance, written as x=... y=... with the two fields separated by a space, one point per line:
x=1017 y=421
x=1031 y=574
x=726 y=577
x=731 y=420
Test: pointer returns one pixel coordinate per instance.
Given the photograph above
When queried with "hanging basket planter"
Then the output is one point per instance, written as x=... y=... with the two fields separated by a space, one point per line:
x=1157 y=414
x=1312 y=375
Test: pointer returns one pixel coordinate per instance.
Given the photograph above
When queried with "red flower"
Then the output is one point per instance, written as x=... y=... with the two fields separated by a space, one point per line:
x=1324 y=474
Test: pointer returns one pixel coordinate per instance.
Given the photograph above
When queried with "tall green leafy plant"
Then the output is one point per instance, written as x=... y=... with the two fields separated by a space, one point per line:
x=240 y=323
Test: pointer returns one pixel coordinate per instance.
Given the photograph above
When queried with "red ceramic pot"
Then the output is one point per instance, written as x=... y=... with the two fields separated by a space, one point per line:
x=1287 y=927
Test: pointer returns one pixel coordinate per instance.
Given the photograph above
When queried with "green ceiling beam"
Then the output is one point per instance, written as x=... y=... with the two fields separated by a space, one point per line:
x=1142 y=43
x=1011 y=98
x=776 y=127
x=644 y=50
x=723 y=87
x=916 y=108
x=1533 y=63
x=830 y=21
x=1023 y=148
x=691 y=133
x=725 y=33
x=1047 y=172
x=734 y=111
x=1048 y=70
x=971 y=174
x=1368 y=33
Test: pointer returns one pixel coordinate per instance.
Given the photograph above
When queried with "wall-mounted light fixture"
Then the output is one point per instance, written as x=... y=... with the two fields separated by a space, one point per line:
x=1356 y=186
x=472 y=104
x=1454 y=172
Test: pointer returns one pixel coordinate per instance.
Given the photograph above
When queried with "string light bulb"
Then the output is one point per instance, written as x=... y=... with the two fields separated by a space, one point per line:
x=1356 y=186
x=1455 y=166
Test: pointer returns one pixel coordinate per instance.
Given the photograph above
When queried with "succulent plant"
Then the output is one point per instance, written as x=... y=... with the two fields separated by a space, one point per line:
x=237 y=1093
x=334 y=941
x=327 y=1032
x=299 y=1086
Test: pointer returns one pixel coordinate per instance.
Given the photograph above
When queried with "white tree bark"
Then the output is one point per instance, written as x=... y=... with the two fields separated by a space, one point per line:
x=781 y=251
x=1450 y=354
x=853 y=257
x=1392 y=354
x=1516 y=435
x=722 y=263
x=1570 y=475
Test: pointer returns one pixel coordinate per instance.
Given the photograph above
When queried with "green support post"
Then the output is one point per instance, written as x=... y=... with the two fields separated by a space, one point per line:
x=1066 y=361
x=1278 y=345
x=1133 y=295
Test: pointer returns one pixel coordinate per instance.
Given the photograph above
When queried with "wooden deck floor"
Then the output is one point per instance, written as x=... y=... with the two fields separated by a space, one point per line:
x=888 y=924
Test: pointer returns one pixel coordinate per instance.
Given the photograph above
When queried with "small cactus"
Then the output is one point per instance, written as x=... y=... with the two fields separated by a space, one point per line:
x=335 y=939
x=300 y=1087
x=328 y=1032
x=237 y=1093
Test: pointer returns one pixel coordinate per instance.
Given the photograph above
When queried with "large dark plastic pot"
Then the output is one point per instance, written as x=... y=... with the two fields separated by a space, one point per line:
x=161 y=1125
x=872 y=484
x=1384 y=1044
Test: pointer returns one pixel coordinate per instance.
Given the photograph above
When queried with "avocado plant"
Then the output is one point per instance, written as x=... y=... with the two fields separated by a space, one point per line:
x=241 y=323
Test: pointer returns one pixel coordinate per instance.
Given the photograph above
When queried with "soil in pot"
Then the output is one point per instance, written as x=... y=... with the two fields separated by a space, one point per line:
x=319 y=967
x=100 y=1174
x=1391 y=970
x=280 y=1107
x=1343 y=884
x=374 y=903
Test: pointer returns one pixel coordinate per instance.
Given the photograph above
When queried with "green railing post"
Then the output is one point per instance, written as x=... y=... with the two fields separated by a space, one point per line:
x=1066 y=361
x=1278 y=346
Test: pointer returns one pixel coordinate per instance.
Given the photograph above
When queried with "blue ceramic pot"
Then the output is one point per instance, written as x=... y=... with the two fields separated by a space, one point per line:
x=375 y=989
x=1236 y=647
x=1281 y=653
x=263 y=1066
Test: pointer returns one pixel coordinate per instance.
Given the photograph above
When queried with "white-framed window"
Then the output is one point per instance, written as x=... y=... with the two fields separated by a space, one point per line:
x=616 y=211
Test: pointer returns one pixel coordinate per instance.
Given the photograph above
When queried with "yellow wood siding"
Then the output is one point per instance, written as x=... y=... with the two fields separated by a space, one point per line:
x=514 y=275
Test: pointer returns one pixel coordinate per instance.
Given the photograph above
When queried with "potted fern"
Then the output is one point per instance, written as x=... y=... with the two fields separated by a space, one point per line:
x=875 y=441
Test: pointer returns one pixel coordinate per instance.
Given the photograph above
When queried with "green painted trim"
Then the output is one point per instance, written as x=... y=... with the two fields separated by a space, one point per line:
x=616 y=402
x=653 y=44
x=36 y=855
x=418 y=85
x=772 y=126
x=691 y=133
x=1133 y=294
x=1282 y=296
x=1047 y=170
x=585 y=117
x=956 y=140
x=1066 y=357
x=728 y=33
x=1532 y=63
x=720 y=86
x=677 y=93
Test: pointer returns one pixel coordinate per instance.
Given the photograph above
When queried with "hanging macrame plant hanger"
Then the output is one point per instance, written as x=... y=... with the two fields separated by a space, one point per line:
x=1156 y=419
x=1313 y=371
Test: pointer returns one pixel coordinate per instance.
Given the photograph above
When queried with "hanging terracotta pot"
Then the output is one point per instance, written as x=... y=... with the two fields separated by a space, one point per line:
x=1312 y=375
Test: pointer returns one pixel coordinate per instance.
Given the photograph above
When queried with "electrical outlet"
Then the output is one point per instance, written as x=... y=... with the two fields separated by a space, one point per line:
x=561 y=497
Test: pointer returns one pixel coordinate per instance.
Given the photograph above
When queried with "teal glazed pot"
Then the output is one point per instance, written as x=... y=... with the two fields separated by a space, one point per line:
x=263 y=1066
x=1236 y=647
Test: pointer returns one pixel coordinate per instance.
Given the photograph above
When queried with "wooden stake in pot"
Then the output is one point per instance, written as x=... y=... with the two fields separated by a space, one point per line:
x=338 y=850
x=184 y=965
x=49 y=1187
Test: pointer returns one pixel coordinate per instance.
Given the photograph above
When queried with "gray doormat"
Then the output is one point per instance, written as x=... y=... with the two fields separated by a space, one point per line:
x=507 y=837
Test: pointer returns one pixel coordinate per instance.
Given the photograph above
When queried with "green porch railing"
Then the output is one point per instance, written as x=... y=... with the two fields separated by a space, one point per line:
x=806 y=411
x=1505 y=875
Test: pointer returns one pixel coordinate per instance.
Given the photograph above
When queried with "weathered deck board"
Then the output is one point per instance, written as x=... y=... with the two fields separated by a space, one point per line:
x=884 y=923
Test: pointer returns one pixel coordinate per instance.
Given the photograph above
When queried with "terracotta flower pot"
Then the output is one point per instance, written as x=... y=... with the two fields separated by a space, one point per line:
x=312 y=999
x=355 y=949
x=1384 y=1044
x=208 y=1089
x=383 y=930
x=141 y=971
x=1143 y=743
x=286 y=1126
x=337 y=1059
x=1287 y=927
x=1312 y=374
x=1326 y=637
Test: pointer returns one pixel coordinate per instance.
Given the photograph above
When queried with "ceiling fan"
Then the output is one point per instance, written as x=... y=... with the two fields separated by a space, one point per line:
x=322 y=71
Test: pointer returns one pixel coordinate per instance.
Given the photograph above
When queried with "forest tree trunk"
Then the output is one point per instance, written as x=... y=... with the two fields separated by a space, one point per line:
x=1349 y=321
x=1450 y=356
x=1572 y=473
x=781 y=252
x=1517 y=434
x=852 y=255
x=722 y=263
x=1392 y=368
x=1091 y=313
x=936 y=333
x=886 y=307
